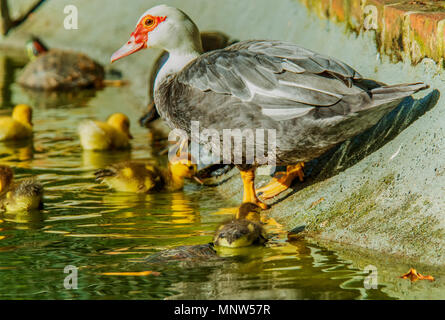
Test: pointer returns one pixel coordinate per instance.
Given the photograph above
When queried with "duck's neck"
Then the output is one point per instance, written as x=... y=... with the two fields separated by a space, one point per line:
x=177 y=60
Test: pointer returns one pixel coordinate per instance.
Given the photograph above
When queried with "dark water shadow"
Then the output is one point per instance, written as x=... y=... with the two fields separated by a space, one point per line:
x=31 y=220
x=356 y=149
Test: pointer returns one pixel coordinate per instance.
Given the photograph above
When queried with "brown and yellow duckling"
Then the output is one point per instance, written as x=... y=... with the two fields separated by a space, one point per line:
x=245 y=230
x=18 y=126
x=111 y=135
x=144 y=178
x=26 y=195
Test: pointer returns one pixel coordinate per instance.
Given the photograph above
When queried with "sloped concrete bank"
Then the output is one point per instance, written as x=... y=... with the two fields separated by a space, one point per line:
x=383 y=190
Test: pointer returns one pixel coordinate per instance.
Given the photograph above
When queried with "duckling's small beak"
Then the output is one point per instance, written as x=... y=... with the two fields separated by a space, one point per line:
x=198 y=180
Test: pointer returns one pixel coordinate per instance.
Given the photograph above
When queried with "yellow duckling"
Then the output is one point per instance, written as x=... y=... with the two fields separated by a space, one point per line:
x=26 y=195
x=244 y=230
x=18 y=126
x=143 y=178
x=113 y=134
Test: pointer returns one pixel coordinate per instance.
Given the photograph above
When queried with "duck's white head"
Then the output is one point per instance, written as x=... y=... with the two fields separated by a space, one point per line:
x=166 y=28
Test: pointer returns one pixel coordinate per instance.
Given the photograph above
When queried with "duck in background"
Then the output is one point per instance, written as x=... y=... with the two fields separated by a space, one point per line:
x=55 y=69
x=111 y=135
x=245 y=230
x=25 y=195
x=139 y=177
x=18 y=126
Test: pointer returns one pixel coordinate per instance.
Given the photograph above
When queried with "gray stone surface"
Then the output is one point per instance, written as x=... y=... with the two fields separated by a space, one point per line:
x=383 y=191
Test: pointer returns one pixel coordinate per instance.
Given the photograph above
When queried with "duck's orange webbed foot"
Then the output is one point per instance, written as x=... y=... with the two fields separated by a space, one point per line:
x=249 y=194
x=281 y=181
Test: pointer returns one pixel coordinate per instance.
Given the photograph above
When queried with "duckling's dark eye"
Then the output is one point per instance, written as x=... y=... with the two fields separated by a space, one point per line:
x=191 y=167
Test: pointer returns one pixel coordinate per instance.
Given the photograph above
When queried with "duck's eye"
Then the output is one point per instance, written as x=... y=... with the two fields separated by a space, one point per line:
x=149 y=22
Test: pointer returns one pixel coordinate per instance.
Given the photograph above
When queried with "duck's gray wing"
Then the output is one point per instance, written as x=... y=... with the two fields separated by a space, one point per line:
x=285 y=80
x=302 y=60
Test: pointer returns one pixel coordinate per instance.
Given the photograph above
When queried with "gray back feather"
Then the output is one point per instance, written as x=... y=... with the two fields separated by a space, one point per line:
x=273 y=74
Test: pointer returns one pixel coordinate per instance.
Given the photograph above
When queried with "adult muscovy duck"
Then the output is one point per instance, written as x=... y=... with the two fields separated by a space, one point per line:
x=313 y=102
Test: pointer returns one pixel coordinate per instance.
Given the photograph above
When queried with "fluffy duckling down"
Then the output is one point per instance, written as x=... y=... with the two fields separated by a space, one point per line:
x=110 y=135
x=18 y=126
x=243 y=231
x=26 y=195
x=140 y=177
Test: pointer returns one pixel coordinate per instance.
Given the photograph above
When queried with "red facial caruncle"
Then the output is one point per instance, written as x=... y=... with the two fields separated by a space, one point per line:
x=139 y=37
x=147 y=24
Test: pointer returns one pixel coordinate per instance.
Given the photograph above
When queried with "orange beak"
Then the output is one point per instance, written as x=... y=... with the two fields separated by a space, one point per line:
x=130 y=47
x=139 y=37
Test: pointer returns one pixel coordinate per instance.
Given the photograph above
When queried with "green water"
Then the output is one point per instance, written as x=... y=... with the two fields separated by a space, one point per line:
x=106 y=235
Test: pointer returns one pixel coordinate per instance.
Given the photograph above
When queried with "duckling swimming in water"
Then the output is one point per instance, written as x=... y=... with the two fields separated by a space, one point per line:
x=18 y=126
x=192 y=253
x=110 y=135
x=143 y=178
x=25 y=195
x=244 y=230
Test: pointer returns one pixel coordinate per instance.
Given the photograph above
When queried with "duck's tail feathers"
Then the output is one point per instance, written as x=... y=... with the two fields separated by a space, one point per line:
x=395 y=92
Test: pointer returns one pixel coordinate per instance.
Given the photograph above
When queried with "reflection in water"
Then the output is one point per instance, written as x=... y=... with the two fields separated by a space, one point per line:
x=98 y=160
x=182 y=212
x=51 y=99
x=25 y=220
x=16 y=151
x=287 y=271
